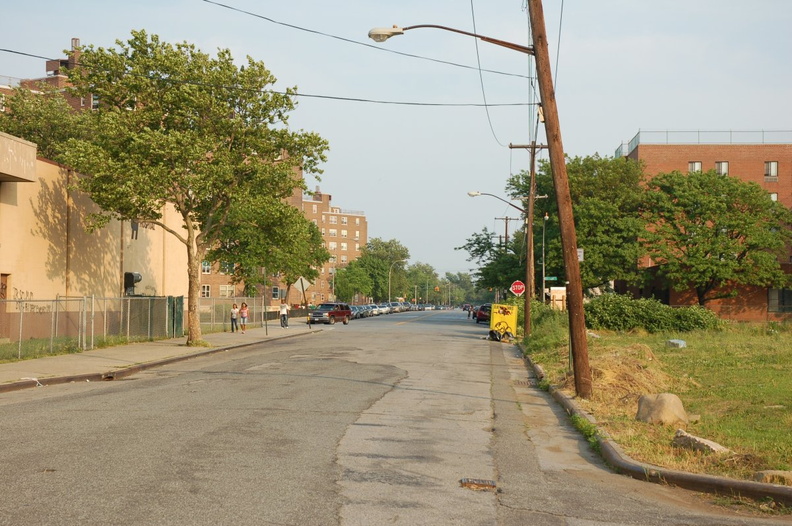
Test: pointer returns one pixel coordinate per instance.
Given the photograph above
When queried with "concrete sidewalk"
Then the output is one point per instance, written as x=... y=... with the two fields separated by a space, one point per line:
x=123 y=360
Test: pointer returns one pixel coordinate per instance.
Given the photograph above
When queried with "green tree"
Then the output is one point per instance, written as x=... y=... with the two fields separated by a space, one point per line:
x=42 y=116
x=178 y=128
x=712 y=233
x=497 y=265
x=606 y=197
x=383 y=260
x=281 y=242
x=421 y=278
x=352 y=281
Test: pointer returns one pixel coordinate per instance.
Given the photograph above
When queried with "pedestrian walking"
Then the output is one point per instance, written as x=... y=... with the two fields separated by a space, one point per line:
x=234 y=317
x=243 y=317
x=284 y=314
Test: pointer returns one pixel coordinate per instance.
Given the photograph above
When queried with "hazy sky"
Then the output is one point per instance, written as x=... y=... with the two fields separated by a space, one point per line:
x=620 y=65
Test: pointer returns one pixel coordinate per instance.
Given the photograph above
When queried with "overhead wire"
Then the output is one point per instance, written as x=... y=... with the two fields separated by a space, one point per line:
x=481 y=78
x=356 y=42
x=305 y=95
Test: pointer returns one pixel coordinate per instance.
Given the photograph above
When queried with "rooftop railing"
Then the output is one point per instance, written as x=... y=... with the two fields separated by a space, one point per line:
x=705 y=137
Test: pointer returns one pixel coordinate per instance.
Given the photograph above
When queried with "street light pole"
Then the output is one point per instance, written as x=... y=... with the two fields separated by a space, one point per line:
x=566 y=223
x=544 y=227
x=529 y=258
x=389 y=277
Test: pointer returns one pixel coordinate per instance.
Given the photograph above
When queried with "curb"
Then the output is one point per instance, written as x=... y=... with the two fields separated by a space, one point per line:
x=134 y=369
x=621 y=463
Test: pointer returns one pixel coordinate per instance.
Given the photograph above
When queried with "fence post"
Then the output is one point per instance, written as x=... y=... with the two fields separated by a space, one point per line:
x=93 y=318
x=129 y=310
x=19 y=343
x=53 y=326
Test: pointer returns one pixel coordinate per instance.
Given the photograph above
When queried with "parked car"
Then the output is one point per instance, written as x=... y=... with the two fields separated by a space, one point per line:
x=330 y=313
x=483 y=313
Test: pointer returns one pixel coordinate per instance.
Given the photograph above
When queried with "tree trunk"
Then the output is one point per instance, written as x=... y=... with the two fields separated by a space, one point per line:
x=194 y=260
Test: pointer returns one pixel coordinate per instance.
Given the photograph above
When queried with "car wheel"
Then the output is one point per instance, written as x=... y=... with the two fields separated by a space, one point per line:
x=332 y=320
x=346 y=320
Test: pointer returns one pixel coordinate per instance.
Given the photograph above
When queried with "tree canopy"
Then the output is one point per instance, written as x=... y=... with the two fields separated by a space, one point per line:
x=712 y=233
x=606 y=196
x=179 y=128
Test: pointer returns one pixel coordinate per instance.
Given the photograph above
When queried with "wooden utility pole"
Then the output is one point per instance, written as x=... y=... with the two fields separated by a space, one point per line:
x=566 y=221
x=530 y=280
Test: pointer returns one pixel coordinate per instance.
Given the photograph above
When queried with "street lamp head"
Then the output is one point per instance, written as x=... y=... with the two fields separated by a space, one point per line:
x=474 y=193
x=381 y=34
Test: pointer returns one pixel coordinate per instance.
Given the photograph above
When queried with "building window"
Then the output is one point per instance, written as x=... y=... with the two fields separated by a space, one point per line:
x=357 y=221
x=94 y=102
x=315 y=209
x=343 y=260
x=779 y=300
x=344 y=220
x=206 y=267
x=344 y=233
x=333 y=232
x=226 y=291
x=344 y=247
x=2 y=103
x=275 y=293
x=332 y=245
x=226 y=267
x=774 y=196
x=333 y=220
x=206 y=291
x=722 y=167
x=694 y=166
x=771 y=171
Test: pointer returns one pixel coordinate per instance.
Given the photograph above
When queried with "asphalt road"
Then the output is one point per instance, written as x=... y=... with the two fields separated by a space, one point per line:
x=372 y=423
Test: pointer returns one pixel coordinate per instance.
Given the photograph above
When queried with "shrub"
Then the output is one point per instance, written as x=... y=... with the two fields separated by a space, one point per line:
x=617 y=312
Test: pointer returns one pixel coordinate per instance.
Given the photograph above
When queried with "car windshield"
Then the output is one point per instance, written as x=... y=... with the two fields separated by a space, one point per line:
x=326 y=306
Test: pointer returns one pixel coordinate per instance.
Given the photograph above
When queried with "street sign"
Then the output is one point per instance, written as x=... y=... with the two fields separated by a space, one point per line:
x=517 y=288
x=551 y=278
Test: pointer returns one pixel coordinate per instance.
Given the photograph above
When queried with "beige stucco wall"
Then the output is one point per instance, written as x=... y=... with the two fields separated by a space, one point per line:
x=45 y=250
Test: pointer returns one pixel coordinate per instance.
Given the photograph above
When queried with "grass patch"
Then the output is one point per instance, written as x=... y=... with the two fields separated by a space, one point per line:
x=736 y=378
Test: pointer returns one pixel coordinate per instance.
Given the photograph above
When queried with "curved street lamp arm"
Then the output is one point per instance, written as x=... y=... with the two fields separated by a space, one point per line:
x=528 y=50
x=382 y=34
x=476 y=194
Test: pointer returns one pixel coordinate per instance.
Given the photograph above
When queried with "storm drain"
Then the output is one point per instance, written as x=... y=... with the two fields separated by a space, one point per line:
x=478 y=484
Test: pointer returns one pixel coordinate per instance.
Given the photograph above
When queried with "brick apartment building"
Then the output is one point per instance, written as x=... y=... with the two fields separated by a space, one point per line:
x=345 y=233
x=764 y=158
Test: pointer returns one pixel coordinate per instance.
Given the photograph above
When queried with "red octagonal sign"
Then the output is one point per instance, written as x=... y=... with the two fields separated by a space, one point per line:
x=518 y=288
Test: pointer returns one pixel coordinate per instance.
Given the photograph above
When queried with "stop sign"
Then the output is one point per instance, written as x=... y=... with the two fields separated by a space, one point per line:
x=518 y=288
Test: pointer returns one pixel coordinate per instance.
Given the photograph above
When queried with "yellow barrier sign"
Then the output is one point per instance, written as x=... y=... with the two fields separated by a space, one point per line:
x=503 y=319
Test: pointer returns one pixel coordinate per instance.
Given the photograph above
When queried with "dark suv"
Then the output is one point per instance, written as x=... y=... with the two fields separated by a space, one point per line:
x=330 y=313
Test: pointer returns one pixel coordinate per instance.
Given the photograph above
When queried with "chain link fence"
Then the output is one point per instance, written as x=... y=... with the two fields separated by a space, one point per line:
x=215 y=313
x=34 y=328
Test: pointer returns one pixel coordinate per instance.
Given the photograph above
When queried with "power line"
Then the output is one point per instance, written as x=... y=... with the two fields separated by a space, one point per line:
x=356 y=42
x=303 y=95
x=481 y=78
